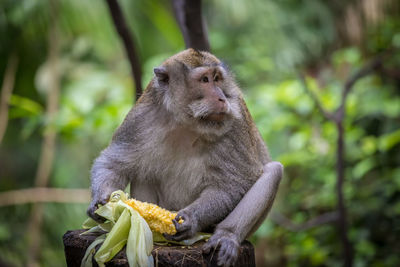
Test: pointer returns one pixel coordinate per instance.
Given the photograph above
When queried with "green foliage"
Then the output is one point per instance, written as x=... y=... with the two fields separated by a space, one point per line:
x=266 y=43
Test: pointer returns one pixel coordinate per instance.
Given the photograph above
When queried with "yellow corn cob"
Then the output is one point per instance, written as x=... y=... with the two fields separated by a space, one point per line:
x=159 y=219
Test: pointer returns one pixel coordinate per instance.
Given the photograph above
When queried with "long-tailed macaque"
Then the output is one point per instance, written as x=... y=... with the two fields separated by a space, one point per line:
x=190 y=145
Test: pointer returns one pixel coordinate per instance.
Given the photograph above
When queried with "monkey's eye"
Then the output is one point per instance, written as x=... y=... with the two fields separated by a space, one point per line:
x=216 y=78
x=204 y=79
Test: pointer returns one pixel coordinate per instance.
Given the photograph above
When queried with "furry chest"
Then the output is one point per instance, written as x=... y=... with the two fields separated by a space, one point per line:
x=175 y=172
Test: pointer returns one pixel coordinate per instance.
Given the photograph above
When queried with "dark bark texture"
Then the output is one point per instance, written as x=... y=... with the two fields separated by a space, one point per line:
x=75 y=246
x=129 y=44
x=338 y=117
x=190 y=20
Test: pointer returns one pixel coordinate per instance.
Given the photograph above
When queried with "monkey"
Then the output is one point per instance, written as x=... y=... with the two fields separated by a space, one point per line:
x=190 y=145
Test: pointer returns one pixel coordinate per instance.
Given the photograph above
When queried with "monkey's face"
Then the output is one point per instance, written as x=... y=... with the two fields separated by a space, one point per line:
x=205 y=97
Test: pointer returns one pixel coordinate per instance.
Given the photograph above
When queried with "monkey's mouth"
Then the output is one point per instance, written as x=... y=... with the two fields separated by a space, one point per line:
x=214 y=117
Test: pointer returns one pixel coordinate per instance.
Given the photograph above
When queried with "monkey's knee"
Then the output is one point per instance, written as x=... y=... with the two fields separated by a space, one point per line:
x=275 y=169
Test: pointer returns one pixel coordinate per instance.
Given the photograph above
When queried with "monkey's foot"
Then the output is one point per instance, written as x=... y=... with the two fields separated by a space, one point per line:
x=228 y=247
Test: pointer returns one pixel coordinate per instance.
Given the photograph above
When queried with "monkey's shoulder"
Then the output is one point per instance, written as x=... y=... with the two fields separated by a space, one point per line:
x=140 y=120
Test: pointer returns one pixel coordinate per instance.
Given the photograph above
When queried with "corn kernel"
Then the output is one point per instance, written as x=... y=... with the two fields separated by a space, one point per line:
x=159 y=219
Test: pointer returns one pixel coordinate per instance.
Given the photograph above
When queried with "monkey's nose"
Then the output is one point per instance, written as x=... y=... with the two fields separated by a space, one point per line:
x=222 y=106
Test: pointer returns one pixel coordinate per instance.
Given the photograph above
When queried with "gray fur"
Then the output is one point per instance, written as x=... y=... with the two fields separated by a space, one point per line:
x=174 y=157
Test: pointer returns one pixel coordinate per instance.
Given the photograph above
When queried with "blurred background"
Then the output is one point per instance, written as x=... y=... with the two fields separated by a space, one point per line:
x=321 y=79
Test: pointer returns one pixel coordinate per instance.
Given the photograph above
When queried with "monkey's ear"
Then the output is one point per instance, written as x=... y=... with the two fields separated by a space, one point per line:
x=161 y=74
x=185 y=69
x=224 y=66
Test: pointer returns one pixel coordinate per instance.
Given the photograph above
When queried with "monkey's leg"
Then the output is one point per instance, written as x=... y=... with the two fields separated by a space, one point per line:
x=247 y=215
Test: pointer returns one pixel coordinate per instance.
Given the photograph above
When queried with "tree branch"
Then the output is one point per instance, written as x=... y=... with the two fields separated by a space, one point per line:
x=328 y=115
x=338 y=117
x=49 y=137
x=6 y=92
x=340 y=157
x=341 y=206
x=361 y=73
x=314 y=222
x=129 y=44
x=190 y=20
x=44 y=195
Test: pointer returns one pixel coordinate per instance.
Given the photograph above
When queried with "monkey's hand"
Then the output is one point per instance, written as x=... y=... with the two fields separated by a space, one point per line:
x=94 y=205
x=186 y=229
x=228 y=247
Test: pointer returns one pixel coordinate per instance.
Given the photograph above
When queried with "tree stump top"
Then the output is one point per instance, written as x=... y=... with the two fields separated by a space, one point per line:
x=75 y=246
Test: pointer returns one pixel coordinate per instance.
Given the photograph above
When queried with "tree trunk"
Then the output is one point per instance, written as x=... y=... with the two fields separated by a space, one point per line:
x=190 y=20
x=75 y=246
x=129 y=44
x=6 y=92
x=49 y=139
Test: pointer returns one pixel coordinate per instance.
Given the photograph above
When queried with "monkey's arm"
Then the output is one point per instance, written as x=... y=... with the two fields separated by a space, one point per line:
x=247 y=215
x=211 y=207
x=109 y=173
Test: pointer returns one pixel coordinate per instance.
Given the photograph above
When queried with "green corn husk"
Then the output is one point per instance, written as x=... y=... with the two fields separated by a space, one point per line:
x=125 y=226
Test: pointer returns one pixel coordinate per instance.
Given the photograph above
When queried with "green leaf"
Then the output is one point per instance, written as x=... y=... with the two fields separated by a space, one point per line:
x=131 y=246
x=388 y=141
x=125 y=226
x=27 y=105
x=87 y=258
x=89 y=223
x=161 y=240
x=369 y=145
x=115 y=240
x=363 y=167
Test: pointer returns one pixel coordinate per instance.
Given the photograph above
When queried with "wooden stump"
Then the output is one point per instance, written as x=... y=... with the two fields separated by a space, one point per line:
x=75 y=246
